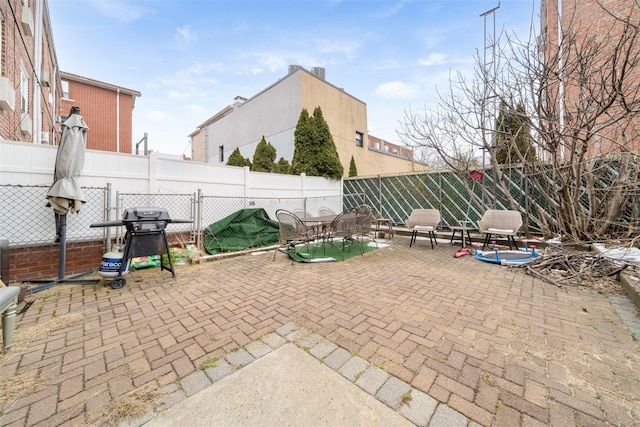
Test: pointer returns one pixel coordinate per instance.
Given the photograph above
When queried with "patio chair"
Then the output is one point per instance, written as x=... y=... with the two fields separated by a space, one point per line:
x=343 y=227
x=422 y=220
x=8 y=303
x=301 y=213
x=364 y=221
x=500 y=222
x=325 y=211
x=292 y=231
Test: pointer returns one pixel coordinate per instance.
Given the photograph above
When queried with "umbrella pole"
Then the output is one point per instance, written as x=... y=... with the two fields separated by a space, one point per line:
x=61 y=237
x=61 y=220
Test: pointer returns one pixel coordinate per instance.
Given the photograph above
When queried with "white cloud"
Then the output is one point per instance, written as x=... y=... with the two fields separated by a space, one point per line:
x=348 y=48
x=433 y=59
x=195 y=108
x=396 y=90
x=158 y=116
x=393 y=9
x=124 y=11
x=184 y=33
x=443 y=59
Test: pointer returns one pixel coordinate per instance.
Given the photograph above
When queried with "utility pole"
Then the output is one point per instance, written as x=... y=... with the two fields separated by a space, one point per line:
x=488 y=110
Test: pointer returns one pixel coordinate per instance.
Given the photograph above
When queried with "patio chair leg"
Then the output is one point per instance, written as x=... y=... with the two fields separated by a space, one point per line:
x=432 y=237
x=487 y=237
x=414 y=233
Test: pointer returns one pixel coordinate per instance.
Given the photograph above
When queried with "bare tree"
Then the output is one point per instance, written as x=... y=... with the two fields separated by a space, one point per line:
x=581 y=99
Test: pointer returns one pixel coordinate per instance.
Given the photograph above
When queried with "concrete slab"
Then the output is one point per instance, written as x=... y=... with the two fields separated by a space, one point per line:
x=286 y=387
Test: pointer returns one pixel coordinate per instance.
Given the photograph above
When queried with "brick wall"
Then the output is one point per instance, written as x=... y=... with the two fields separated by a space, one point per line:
x=18 y=52
x=588 y=19
x=102 y=108
x=41 y=262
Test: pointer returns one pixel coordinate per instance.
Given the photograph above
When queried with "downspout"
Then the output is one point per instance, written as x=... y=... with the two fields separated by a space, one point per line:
x=118 y=121
x=37 y=59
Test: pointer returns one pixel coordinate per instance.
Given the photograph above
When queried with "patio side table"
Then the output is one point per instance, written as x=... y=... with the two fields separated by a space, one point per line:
x=384 y=222
x=462 y=229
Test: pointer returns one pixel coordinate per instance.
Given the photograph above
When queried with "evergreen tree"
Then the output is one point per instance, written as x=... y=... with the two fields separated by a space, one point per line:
x=283 y=166
x=264 y=157
x=304 y=137
x=236 y=159
x=353 y=171
x=315 y=152
x=327 y=163
x=513 y=139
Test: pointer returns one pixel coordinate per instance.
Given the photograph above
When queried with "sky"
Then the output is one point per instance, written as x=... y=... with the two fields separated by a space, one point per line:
x=190 y=58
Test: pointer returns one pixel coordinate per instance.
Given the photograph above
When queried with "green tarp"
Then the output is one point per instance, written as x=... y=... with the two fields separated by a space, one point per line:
x=246 y=228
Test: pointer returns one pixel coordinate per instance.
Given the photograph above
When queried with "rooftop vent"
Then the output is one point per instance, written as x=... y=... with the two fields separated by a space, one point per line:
x=319 y=72
x=294 y=68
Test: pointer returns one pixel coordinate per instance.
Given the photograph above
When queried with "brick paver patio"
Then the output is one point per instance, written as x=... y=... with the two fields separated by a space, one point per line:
x=498 y=346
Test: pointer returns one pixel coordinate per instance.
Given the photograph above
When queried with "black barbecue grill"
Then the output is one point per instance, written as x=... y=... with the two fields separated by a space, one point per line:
x=145 y=236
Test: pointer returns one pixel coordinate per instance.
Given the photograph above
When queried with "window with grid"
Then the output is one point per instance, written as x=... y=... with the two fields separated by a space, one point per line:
x=359 y=139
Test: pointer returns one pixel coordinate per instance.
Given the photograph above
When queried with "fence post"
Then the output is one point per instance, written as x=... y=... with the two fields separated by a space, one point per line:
x=152 y=173
x=382 y=214
x=247 y=181
x=107 y=213
x=198 y=218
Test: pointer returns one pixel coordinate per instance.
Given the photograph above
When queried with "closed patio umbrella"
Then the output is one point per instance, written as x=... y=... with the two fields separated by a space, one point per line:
x=65 y=195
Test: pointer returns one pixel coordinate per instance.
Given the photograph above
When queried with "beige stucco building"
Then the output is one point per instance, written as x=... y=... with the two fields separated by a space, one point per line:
x=274 y=113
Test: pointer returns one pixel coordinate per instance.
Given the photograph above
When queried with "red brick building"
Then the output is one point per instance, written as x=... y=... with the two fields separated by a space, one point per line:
x=35 y=97
x=29 y=85
x=379 y=144
x=595 y=29
x=107 y=109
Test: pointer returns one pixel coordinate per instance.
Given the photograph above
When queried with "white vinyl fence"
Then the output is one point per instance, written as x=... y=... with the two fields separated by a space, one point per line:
x=113 y=181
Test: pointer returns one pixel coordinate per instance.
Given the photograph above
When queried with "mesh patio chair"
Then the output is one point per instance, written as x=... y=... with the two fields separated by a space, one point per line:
x=343 y=228
x=364 y=223
x=292 y=231
x=501 y=222
x=422 y=220
x=325 y=211
x=301 y=213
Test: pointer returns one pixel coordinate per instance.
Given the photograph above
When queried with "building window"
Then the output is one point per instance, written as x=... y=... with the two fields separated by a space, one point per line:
x=359 y=139
x=221 y=153
x=65 y=89
x=24 y=90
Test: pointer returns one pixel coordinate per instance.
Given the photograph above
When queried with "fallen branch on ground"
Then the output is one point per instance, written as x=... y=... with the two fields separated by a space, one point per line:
x=560 y=266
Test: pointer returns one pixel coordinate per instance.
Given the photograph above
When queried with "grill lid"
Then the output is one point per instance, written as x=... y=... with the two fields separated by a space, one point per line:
x=145 y=214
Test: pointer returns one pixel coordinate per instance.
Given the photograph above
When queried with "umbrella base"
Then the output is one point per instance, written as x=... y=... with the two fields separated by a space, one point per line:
x=74 y=280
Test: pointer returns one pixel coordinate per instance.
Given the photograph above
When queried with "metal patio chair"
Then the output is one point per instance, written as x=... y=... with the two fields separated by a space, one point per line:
x=292 y=231
x=343 y=227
